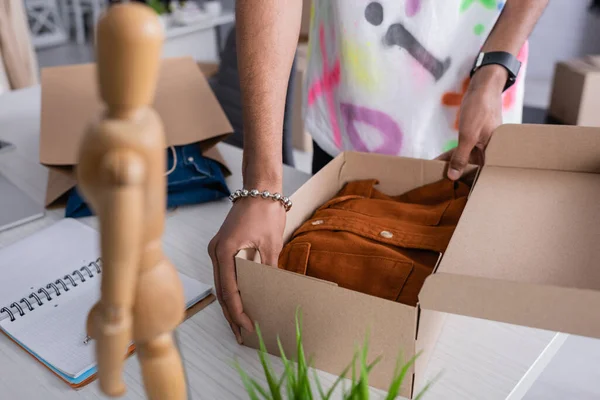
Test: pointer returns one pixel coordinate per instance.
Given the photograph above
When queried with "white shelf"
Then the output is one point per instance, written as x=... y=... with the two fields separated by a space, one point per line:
x=174 y=31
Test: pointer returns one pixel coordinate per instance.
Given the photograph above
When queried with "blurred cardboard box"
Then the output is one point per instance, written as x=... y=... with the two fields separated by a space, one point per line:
x=576 y=92
x=525 y=252
x=305 y=23
x=208 y=69
x=188 y=108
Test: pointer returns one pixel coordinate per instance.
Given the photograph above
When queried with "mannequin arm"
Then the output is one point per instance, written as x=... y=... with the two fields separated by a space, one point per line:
x=121 y=221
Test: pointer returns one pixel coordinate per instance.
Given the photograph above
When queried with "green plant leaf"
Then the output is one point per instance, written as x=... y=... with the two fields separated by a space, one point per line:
x=352 y=390
x=304 y=388
x=354 y=368
x=336 y=383
x=373 y=364
x=423 y=391
x=288 y=372
x=363 y=383
x=319 y=387
x=427 y=386
x=266 y=364
x=302 y=381
x=157 y=6
x=296 y=374
x=248 y=383
x=260 y=389
x=308 y=385
x=399 y=375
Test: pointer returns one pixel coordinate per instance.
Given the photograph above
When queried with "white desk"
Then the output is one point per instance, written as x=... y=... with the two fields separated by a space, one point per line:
x=481 y=360
x=200 y=40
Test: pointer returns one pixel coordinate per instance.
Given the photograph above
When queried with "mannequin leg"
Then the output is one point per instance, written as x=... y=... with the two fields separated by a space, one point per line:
x=112 y=341
x=162 y=369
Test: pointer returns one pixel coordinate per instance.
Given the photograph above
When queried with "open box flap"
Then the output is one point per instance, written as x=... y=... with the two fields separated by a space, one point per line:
x=188 y=109
x=527 y=247
x=563 y=148
x=187 y=106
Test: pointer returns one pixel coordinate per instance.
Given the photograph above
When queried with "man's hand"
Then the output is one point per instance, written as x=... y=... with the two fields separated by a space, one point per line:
x=251 y=224
x=481 y=109
x=480 y=115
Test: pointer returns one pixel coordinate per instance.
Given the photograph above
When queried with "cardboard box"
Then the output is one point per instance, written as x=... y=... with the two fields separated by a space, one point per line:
x=526 y=251
x=305 y=22
x=208 y=69
x=575 y=96
x=187 y=106
x=301 y=139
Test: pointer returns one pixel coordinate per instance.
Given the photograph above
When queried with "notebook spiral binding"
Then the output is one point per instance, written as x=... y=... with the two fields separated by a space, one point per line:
x=45 y=294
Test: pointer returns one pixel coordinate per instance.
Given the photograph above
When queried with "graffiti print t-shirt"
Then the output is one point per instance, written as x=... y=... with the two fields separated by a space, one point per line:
x=388 y=76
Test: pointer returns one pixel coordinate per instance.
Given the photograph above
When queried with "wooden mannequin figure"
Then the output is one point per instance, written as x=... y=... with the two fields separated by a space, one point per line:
x=121 y=173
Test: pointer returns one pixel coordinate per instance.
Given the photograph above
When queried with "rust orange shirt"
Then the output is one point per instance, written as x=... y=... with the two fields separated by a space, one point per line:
x=377 y=244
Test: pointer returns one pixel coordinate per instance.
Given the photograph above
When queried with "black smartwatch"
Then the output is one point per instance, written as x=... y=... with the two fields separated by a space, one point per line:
x=507 y=60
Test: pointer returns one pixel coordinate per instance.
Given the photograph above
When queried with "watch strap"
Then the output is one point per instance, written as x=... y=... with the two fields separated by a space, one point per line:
x=503 y=58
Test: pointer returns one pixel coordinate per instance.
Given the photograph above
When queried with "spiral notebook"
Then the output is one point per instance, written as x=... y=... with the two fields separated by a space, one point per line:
x=50 y=281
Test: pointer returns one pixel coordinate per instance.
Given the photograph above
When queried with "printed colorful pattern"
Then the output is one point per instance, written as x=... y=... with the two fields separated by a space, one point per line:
x=453 y=99
x=379 y=82
x=326 y=86
x=412 y=7
x=450 y=144
x=391 y=134
x=374 y=10
x=353 y=56
x=478 y=29
x=489 y=4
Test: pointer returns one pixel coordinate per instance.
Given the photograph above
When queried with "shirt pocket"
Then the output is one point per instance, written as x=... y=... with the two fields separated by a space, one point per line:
x=373 y=275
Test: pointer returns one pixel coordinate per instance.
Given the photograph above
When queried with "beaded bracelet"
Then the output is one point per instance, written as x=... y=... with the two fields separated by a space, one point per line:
x=265 y=194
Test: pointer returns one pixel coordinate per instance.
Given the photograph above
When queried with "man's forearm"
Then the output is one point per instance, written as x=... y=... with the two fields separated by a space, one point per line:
x=512 y=29
x=267 y=35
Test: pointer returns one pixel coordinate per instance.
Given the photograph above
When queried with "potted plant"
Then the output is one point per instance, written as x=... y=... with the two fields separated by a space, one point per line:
x=161 y=8
x=295 y=384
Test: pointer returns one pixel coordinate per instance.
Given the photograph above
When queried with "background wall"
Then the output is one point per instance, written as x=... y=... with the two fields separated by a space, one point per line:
x=227 y=5
x=566 y=30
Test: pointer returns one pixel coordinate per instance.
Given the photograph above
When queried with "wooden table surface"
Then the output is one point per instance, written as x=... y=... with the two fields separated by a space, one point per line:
x=480 y=359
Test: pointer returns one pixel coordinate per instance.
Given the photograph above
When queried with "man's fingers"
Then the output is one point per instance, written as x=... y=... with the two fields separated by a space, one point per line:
x=227 y=292
x=460 y=157
x=213 y=258
x=237 y=332
x=234 y=328
x=446 y=156
x=229 y=288
x=235 y=311
x=478 y=155
x=269 y=255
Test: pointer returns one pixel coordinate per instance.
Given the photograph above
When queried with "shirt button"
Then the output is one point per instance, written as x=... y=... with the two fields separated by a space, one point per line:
x=317 y=222
x=386 y=234
x=191 y=159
